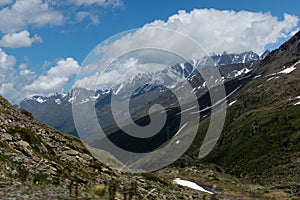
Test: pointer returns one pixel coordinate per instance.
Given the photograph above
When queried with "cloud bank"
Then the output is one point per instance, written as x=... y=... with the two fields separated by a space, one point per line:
x=21 y=14
x=224 y=30
x=215 y=31
x=18 y=82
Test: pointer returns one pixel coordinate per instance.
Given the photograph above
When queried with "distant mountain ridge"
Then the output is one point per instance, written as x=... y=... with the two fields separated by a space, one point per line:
x=56 y=109
x=233 y=58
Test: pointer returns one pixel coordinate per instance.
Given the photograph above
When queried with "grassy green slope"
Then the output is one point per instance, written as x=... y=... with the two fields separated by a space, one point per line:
x=260 y=141
x=261 y=137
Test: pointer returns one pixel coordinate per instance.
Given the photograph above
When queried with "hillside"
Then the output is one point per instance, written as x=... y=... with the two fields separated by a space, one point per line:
x=286 y=55
x=38 y=162
x=260 y=142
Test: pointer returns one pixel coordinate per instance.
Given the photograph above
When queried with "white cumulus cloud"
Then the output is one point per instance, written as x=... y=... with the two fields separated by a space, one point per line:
x=20 y=39
x=103 y=3
x=80 y=16
x=17 y=15
x=6 y=61
x=18 y=82
x=24 y=13
x=5 y=2
x=11 y=81
x=55 y=78
x=224 y=30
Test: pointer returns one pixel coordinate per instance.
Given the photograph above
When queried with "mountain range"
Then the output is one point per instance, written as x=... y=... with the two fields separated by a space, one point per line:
x=56 y=110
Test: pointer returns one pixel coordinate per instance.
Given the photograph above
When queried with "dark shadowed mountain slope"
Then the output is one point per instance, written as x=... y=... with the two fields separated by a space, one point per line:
x=286 y=55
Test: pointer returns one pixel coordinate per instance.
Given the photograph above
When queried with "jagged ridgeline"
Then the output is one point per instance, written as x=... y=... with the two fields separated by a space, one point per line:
x=56 y=110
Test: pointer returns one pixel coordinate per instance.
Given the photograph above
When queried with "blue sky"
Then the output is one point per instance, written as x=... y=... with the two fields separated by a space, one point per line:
x=38 y=35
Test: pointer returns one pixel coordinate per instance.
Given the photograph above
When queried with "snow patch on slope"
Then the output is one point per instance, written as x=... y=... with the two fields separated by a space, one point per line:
x=40 y=100
x=231 y=103
x=58 y=101
x=289 y=69
x=119 y=89
x=298 y=103
x=243 y=71
x=191 y=185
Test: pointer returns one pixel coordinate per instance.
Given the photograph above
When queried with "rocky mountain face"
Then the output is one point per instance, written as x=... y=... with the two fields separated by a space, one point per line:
x=38 y=162
x=285 y=56
x=230 y=58
x=56 y=110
